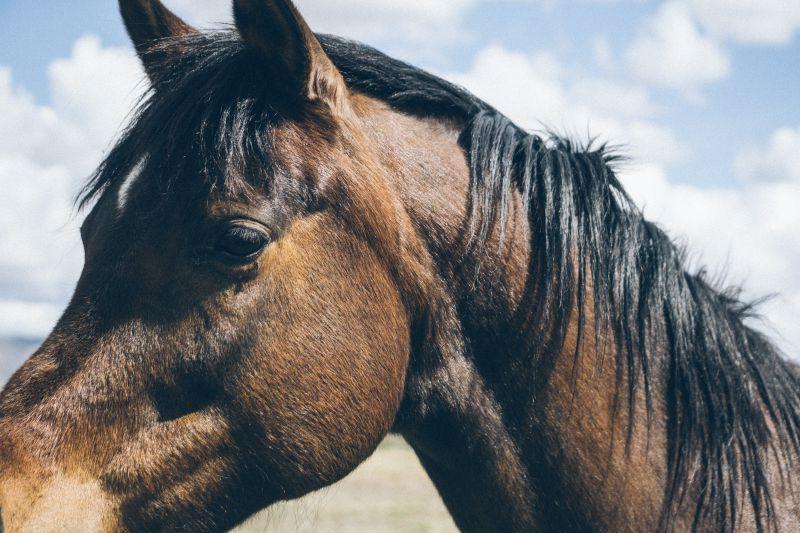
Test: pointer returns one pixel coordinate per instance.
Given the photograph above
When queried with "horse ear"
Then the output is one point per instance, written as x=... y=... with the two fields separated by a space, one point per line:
x=277 y=31
x=147 y=22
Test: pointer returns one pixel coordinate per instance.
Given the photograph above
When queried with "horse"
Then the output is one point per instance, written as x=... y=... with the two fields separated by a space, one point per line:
x=300 y=245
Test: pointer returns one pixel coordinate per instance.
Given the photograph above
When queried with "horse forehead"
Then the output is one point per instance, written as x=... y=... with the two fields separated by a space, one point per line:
x=296 y=151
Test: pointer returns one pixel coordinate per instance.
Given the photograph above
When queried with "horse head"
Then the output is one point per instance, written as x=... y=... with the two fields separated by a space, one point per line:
x=242 y=328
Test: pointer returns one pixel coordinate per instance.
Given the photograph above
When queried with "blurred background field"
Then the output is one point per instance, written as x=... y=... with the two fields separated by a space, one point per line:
x=388 y=493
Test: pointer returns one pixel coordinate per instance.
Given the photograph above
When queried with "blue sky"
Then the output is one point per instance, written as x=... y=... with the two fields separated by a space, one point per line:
x=703 y=94
x=759 y=95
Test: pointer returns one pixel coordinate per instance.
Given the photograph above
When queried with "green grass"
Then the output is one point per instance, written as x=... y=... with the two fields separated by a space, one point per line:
x=388 y=493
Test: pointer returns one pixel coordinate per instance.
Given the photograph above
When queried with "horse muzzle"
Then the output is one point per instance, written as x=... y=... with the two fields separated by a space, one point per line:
x=60 y=503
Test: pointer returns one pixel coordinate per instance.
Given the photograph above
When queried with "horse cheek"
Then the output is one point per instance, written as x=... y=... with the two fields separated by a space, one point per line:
x=325 y=381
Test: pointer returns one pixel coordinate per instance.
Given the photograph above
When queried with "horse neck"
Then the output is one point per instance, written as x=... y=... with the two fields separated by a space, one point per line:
x=507 y=442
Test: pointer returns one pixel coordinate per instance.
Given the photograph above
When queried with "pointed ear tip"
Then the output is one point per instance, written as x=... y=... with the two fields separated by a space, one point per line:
x=238 y=9
x=242 y=15
x=246 y=12
x=242 y=6
x=149 y=21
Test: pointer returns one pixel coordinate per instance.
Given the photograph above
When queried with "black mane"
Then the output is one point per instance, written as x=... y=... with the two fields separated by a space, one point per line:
x=730 y=395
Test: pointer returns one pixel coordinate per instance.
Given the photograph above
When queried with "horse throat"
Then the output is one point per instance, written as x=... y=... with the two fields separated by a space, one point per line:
x=511 y=444
x=450 y=415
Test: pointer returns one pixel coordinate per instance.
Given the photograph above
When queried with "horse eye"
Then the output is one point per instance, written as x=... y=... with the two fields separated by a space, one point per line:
x=240 y=242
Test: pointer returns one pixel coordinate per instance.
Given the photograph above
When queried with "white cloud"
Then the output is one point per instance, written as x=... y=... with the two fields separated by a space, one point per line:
x=46 y=153
x=38 y=242
x=671 y=51
x=603 y=53
x=750 y=232
x=778 y=161
x=27 y=320
x=614 y=98
x=25 y=127
x=529 y=89
x=749 y=21
x=537 y=91
x=202 y=13
x=406 y=22
x=94 y=90
x=680 y=46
